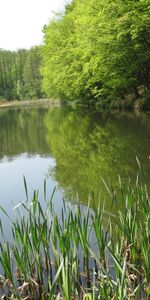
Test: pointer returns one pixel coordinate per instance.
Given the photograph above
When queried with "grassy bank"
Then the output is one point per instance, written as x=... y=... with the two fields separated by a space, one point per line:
x=37 y=102
x=82 y=253
x=117 y=104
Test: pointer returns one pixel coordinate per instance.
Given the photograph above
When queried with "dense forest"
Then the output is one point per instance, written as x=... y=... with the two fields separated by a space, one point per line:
x=99 y=51
x=20 y=76
x=94 y=53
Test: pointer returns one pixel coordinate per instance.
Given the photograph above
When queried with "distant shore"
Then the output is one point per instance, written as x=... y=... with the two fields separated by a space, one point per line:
x=37 y=102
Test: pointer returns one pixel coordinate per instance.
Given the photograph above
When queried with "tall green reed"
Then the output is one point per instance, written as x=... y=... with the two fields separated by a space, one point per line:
x=82 y=253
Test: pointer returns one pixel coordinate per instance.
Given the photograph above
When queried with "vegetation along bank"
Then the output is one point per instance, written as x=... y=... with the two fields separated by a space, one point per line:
x=94 y=53
x=83 y=253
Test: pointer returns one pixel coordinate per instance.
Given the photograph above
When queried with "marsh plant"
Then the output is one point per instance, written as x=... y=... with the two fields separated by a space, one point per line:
x=84 y=252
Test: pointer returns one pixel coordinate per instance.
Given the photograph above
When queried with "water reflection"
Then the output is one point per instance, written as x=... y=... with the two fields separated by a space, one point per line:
x=90 y=147
x=72 y=150
x=24 y=152
x=22 y=131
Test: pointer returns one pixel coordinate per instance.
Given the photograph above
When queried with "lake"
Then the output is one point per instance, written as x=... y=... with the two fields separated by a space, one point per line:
x=73 y=151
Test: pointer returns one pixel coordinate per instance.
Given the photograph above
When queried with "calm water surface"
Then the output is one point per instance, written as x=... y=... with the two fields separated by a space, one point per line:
x=72 y=151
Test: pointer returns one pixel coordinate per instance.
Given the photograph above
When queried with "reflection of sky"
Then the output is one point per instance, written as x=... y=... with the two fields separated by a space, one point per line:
x=35 y=169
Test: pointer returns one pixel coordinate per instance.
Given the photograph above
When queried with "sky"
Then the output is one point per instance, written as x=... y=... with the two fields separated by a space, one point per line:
x=21 y=21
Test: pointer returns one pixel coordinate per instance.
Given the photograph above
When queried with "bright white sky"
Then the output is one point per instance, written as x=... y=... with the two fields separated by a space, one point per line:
x=21 y=21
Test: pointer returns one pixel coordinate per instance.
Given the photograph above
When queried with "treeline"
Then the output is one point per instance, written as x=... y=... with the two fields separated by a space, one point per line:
x=99 y=51
x=96 y=52
x=20 y=76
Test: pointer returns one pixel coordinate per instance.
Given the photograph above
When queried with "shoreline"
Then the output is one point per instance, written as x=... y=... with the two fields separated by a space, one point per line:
x=36 y=102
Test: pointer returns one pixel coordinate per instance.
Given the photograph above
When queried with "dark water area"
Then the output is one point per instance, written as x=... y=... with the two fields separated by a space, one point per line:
x=73 y=151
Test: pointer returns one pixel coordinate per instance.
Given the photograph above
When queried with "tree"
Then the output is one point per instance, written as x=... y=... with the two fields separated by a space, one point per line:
x=31 y=74
x=20 y=76
x=98 y=51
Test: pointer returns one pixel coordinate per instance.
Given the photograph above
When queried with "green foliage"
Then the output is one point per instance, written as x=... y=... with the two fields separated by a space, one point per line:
x=97 y=49
x=11 y=73
x=31 y=74
x=20 y=74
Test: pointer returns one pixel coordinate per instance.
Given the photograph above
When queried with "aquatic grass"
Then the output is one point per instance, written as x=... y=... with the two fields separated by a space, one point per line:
x=102 y=233
x=144 y=262
x=82 y=253
x=6 y=262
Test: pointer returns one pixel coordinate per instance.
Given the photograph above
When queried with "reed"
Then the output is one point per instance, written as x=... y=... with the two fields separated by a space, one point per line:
x=83 y=253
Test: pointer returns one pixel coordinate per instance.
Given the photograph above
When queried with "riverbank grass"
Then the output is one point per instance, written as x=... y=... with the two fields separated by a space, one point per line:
x=36 y=102
x=80 y=253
